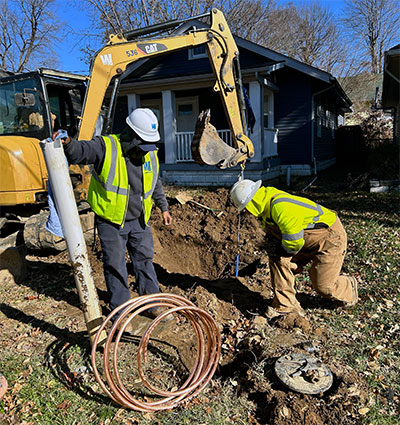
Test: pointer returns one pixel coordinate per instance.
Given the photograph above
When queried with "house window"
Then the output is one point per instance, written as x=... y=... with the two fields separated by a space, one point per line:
x=185 y=110
x=332 y=123
x=268 y=118
x=320 y=114
x=198 y=52
x=266 y=112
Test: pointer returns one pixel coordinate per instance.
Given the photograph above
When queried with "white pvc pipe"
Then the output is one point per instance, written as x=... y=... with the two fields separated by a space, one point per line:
x=64 y=200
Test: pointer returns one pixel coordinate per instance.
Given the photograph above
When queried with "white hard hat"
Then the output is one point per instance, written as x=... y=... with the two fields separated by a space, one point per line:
x=144 y=122
x=242 y=192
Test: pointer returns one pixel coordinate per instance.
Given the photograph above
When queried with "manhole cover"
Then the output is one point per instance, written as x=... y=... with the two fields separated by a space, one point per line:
x=303 y=373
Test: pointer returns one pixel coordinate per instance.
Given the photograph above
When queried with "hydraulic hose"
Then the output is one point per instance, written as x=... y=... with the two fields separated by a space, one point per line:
x=208 y=338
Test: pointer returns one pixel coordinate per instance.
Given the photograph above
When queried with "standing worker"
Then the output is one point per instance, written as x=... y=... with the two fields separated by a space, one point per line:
x=125 y=181
x=299 y=231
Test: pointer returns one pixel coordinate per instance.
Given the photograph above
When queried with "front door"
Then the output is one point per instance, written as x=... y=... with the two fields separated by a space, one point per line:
x=187 y=111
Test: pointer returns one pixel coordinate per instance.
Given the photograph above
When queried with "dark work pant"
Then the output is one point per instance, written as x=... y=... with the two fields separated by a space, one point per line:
x=138 y=239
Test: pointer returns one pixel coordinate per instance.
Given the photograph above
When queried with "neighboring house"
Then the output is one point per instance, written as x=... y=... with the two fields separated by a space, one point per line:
x=296 y=106
x=391 y=86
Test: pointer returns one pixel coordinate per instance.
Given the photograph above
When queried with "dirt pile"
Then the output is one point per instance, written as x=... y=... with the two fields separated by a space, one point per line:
x=203 y=239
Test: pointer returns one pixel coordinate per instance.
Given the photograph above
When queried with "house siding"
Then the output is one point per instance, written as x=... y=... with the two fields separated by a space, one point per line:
x=324 y=146
x=177 y=64
x=325 y=143
x=293 y=105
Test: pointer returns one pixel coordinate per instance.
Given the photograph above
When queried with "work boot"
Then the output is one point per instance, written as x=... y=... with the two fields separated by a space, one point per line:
x=155 y=312
x=354 y=290
x=272 y=313
x=354 y=287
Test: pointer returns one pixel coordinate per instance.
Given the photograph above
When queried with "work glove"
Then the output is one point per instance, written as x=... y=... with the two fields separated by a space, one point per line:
x=283 y=253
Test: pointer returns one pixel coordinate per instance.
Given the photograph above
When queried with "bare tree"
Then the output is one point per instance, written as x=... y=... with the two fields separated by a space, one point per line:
x=279 y=32
x=376 y=25
x=308 y=33
x=245 y=17
x=28 y=29
x=318 y=37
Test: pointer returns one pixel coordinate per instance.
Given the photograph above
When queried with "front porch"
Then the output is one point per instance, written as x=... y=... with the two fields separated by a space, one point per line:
x=176 y=163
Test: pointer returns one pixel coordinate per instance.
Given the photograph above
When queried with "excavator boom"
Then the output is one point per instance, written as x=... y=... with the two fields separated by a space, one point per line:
x=207 y=148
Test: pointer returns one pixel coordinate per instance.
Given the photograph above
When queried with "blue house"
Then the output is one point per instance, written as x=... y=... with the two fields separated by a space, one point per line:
x=297 y=109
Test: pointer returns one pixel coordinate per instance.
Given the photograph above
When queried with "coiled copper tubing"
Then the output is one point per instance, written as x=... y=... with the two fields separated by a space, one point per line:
x=208 y=338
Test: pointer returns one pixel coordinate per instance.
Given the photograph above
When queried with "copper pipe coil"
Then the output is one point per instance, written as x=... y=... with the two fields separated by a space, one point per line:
x=208 y=339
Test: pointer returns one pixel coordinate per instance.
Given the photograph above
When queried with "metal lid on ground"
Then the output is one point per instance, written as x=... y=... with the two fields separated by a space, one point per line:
x=303 y=373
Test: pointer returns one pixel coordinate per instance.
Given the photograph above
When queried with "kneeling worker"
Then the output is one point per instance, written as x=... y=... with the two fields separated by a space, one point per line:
x=124 y=183
x=299 y=231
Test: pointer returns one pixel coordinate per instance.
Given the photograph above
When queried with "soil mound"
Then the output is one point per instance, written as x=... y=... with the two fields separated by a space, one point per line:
x=203 y=238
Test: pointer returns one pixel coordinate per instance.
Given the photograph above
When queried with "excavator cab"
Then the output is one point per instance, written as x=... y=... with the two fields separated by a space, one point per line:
x=32 y=106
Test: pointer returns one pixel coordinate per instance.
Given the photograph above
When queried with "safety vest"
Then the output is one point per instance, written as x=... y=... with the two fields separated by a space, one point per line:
x=108 y=193
x=291 y=214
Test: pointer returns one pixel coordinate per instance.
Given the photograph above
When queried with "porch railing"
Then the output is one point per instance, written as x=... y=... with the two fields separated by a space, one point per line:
x=184 y=140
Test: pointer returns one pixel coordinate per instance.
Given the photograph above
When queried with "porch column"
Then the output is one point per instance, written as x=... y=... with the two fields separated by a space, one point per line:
x=257 y=136
x=168 y=102
x=133 y=102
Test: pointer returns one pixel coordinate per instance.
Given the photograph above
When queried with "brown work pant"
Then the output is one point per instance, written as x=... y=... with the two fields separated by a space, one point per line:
x=325 y=249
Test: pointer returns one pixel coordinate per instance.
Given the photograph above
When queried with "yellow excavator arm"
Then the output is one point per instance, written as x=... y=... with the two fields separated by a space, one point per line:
x=207 y=148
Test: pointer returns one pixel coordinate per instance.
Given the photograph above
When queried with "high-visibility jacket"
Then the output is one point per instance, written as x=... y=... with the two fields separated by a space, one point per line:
x=290 y=214
x=108 y=193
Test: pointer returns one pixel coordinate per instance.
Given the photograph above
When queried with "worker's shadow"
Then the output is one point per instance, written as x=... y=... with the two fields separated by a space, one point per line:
x=230 y=289
x=56 y=281
x=68 y=357
x=58 y=353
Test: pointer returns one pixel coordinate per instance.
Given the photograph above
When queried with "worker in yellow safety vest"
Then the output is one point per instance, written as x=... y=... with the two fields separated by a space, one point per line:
x=299 y=231
x=125 y=182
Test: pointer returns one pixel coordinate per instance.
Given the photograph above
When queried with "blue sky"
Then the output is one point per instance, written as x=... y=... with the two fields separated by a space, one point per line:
x=77 y=22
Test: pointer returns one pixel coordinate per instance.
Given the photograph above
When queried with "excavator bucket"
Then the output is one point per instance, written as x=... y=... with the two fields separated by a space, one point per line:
x=207 y=147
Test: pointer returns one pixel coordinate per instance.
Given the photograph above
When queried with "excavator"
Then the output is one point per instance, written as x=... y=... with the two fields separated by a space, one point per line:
x=124 y=49
x=108 y=66
x=33 y=105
